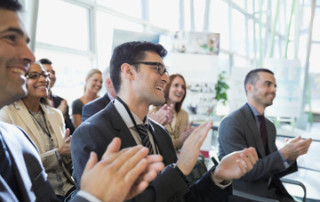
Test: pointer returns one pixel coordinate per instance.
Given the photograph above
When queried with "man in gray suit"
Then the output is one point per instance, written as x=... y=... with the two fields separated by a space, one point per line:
x=22 y=176
x=247 y=127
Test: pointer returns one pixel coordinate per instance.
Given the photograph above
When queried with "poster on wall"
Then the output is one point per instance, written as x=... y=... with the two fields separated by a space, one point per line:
x=196 y=43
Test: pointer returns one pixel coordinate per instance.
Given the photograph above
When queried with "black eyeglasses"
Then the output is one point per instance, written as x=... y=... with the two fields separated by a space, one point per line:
x=161 y=69
x=36 y=75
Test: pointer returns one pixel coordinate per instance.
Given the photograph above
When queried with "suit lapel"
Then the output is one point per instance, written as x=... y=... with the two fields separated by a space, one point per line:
x=25 y=116
x=254 y=131
x=163 y=143
x=19 y=165
x=121 y=129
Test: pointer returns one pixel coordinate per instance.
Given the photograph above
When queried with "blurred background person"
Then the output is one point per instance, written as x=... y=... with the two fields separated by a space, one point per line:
x=45 y=126
x=174 y=93
x=91 y=89
x=54 y=100
x=96 y=105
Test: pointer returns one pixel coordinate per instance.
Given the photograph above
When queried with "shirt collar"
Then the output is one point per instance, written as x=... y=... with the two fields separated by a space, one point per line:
x=255 y=112
x=125 y=116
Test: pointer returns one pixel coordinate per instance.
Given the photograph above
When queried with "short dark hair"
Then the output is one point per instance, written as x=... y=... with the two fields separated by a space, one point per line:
x=252 y=77
x=45 y=61
x=12 y=5
x=130 y=53
x=178 y=105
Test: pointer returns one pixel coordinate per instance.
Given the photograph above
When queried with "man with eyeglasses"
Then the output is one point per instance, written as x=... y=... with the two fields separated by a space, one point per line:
x=118 y=176
x=163 y=116
x=139 y=77
x=54 y=100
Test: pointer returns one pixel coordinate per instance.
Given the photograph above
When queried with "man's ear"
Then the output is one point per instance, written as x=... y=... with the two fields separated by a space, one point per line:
x=249 y=87
x=127 y=71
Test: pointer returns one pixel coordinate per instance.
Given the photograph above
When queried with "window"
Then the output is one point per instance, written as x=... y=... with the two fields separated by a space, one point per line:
x=58 y=26
x=218 y=21
x=128 y=7
x=106 y=23
x=165 y=14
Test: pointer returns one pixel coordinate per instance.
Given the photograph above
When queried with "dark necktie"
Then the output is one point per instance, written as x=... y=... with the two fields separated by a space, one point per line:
x=143 y=132
x=6 y=168
x=263 y=130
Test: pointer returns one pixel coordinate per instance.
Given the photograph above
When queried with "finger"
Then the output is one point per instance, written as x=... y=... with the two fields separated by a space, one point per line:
x=136 y=189
x=165 y=106
x=68 y=139
x=154 y=158
x=131 y=158
x=191 y=123
x=204 y=132
x=245 y=156
x=251 y=156
x=242 y=166
x=156 y=166
x=66 y=133
x=133 y=173
x=149 y=176
x=93 y=159
x=113 y=147
x=255 y=154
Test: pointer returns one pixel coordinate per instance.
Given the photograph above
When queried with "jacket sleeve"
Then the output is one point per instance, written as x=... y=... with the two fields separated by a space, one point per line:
x=233 y=137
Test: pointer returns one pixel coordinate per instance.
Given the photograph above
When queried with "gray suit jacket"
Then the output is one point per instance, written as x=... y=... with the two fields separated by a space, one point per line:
x=31 y=177
x=98 y=131
x=238 y=131
x=94 y=106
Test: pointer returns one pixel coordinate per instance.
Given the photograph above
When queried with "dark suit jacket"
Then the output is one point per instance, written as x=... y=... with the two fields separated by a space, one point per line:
x=56 y=102
x=98 y=131
x=238 y=131
x=30 y=174
x=94 y=106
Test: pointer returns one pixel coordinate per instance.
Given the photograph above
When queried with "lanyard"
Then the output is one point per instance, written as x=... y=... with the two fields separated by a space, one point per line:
x=46 y=129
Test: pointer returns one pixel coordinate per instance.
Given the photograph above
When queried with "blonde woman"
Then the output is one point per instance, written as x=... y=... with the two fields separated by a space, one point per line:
x=91 y=89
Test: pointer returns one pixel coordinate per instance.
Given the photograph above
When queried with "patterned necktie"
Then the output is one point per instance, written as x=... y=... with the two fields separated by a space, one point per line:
x=143 y=132
x=6 y=168
x=263 y=130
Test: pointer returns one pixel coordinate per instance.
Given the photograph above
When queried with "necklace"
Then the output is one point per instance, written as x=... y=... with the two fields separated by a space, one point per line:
x=44 y=127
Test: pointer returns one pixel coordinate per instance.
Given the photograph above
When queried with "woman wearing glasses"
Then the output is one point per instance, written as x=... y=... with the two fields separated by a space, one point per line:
x=174 y=93
x=45 y=126
x=91 y=89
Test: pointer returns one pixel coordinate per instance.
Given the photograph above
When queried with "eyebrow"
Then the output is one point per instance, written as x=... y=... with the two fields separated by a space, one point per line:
x=16 y=30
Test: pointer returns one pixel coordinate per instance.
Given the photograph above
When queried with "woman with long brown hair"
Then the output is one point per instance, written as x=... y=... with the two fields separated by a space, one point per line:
x=175 y=93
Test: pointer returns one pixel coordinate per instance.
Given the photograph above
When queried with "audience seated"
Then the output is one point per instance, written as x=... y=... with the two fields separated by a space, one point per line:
x=118 y=176
x=96 y=105
x=91 y=89
x=247 y=127
x=139 y=77
x=54 y=100
x=45 y=126
x=178 y=127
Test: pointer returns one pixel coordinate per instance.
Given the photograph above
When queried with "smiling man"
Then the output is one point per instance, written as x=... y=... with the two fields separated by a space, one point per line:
x=247 y=127
x=139 y=78
x=118 y=176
